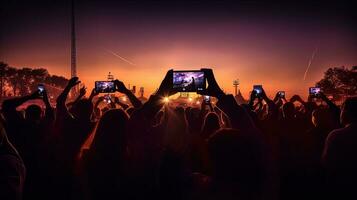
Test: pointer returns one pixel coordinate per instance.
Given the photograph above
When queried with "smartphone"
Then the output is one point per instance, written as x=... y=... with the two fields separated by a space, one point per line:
x=104 y=86
x=314 y=91
x=207 y=99
x=40 y=89
x=189 y=81
x=281 y=94
x=258 y=90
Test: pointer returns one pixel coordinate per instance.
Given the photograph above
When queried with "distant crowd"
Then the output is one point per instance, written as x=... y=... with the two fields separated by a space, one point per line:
x=274 y=149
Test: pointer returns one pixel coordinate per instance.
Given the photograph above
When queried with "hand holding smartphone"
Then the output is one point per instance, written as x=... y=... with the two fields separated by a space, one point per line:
x=258 y=90
x=40 y=89
x=314 y=92
x=281 y=94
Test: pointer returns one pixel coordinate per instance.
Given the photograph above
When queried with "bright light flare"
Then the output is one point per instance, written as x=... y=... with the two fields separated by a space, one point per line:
x=166 y=99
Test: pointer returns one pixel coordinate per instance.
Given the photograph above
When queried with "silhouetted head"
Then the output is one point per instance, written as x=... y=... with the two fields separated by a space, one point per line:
x=288 y=110
x=110 y=132
x=235 y=157
x=349 y=111
x=321 y=117
x=210 y=125
x=33 y=113
x=83 y=109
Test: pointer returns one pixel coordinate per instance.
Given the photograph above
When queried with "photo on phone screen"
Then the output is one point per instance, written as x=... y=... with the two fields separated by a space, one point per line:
x=40 y=89
x=282 y=94
x=314 y=91
x=258 y=90
x=104 y=86
x=189 y=81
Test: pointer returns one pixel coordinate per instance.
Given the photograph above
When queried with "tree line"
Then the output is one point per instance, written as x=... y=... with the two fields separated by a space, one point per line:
x=21 y=81
x=339 y=82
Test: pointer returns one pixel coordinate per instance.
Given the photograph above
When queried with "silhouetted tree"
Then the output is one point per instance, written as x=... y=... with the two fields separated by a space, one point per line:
x=57 y=81
x=339 y=81
x=3 y=68
x=24 y=80
x=11 y=78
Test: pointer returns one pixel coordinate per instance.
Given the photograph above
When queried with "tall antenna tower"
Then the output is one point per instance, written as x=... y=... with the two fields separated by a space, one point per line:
x=73 y=47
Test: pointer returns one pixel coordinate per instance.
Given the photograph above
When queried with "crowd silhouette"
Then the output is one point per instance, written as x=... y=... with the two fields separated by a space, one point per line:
x=265 y=149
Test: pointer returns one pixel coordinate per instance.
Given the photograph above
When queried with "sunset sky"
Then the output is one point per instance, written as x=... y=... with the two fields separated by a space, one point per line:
x=258 y=43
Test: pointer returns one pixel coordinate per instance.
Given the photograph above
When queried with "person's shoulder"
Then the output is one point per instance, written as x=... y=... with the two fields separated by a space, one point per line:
x=337 y=134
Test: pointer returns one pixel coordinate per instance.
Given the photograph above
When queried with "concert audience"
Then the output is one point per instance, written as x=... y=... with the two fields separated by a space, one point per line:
x=106 y=148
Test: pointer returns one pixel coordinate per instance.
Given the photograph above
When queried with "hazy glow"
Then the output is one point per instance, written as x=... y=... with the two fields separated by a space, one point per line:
x=138 y=48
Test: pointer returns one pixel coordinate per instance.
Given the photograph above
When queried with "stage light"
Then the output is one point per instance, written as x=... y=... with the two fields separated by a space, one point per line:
x=123 y=98
x=190 y=99
x=166 y=99
x=198 y=102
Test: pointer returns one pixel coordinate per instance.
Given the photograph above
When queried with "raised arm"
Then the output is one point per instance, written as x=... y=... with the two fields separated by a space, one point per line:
x=155 y=102
x=298 y=99
x=203 y=110
x=82 y=92
x=49 y=111
x=121 y=104
x=61 y=109
x=238 y=116
x=335 y=110
x=9 y=106
x=132 y=98
x=252 y=97
x=273 y=110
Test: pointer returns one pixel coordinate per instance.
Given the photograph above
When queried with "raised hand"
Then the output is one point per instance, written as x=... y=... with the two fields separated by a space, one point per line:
x=93 y=94
x=165 y=88
x=213 y=88
x=323 y=96
x=82 y=91
x=264 y=95
x=120 y=87
x=294 y=98
x=73 y=82
x=277 y=97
